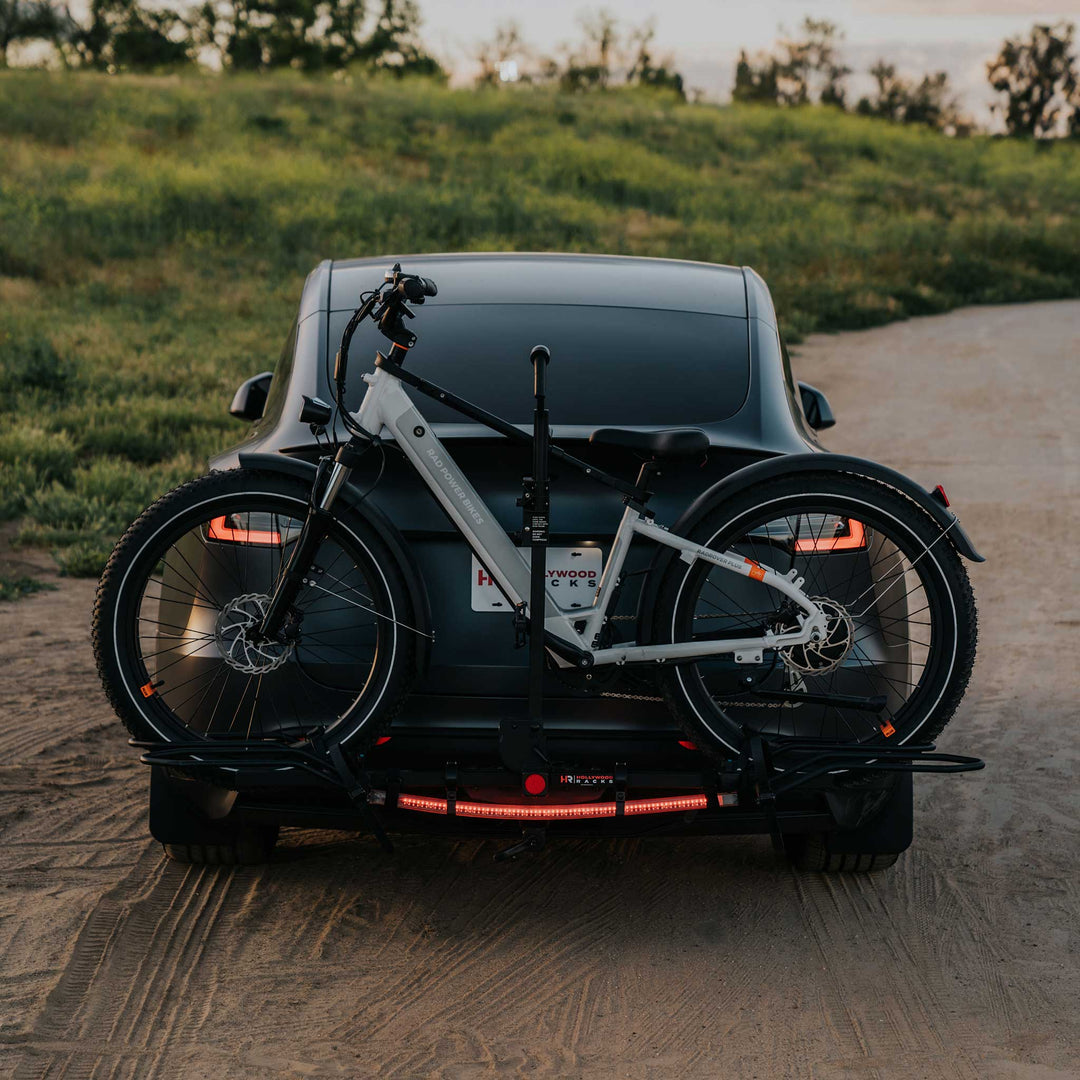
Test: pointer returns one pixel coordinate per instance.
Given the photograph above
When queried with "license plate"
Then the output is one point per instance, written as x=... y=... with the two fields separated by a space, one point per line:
x=572 y=577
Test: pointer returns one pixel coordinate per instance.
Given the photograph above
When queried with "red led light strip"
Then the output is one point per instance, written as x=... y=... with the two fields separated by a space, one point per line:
x=218 y=530
x=426 y=804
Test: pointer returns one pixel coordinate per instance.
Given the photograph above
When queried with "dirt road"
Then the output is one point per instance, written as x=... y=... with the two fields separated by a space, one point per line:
x=633 y=959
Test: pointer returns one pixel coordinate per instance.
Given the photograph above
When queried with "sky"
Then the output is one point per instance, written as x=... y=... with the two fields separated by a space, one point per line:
x=704 y=36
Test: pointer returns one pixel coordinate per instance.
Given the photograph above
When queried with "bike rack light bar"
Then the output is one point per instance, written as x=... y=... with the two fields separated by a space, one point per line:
x=675 y=804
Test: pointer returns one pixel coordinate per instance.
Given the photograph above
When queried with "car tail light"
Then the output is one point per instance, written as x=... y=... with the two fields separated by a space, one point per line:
x=220 y=529
x=427 y=804
x=836 y=534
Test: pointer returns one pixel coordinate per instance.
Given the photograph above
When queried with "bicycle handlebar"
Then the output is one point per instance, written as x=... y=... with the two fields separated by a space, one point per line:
x=415 y=288
x=387 y=306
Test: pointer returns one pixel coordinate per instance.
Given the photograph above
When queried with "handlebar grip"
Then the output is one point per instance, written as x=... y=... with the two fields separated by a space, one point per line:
x=416 y=288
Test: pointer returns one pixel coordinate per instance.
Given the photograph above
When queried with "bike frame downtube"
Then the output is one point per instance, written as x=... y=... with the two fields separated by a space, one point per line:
x=388 y=410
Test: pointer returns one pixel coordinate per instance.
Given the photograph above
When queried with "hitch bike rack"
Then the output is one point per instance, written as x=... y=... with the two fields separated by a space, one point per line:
x=747 y=793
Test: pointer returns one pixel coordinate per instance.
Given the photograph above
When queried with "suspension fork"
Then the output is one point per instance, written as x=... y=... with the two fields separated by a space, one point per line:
x=291 y=579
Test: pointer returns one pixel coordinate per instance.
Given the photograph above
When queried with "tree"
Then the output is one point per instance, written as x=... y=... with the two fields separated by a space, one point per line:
x=254 y=35
x=801 y=70
x=809 y=68
x=930 y=101
x=1038 y=78
x=891 y=99
x=503 y=49
x=603 y=59
x=26 y=20
x=591 y=68
x=644 y=72
x=394 y=44
x=756 y=80
x=119 y=35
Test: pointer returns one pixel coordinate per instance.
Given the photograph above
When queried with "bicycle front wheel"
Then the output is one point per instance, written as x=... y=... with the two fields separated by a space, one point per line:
x=900 y=644
x=185 y=588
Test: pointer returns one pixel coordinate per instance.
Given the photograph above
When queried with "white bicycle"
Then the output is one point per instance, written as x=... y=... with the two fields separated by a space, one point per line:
x=813 y=596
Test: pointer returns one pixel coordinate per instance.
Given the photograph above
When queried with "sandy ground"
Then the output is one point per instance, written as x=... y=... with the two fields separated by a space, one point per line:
x=700 y=958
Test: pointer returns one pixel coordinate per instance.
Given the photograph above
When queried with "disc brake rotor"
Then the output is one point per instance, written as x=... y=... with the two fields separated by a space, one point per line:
x=235 y=623
x=819 y=657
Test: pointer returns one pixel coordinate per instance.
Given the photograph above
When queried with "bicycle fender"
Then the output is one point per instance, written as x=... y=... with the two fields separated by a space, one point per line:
x=786 y=465
x=388 y=533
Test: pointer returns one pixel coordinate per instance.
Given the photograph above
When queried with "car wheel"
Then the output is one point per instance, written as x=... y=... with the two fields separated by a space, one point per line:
x=248 y=847
x=811 y=852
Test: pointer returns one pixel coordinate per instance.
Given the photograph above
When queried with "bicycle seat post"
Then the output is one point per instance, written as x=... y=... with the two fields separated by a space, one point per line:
x=537 y=503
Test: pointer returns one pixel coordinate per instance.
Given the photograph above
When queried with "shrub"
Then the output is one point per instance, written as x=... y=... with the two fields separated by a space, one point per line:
x=30 y=458
x=30 y=362
x=15 y=588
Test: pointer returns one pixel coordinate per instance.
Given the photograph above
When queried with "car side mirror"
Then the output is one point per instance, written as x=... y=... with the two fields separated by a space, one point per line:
x=250 y=398
x=815 y=407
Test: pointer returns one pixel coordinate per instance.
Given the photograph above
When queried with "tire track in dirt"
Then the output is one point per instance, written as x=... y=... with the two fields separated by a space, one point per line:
x=701 y=995
x=576 y=976
x=72 y=824
x=916 y=1005
x=466 y=957
x=118 y=999
x=50 y=684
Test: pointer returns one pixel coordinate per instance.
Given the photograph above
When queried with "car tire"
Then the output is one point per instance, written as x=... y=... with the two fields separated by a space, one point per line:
x=811 y=853
x=249 y=847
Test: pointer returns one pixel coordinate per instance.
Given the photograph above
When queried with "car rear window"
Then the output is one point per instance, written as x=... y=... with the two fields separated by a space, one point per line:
x=280 y=382
x=608 y=365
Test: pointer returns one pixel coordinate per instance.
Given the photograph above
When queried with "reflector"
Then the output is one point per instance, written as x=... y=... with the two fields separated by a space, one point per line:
x=535 y=784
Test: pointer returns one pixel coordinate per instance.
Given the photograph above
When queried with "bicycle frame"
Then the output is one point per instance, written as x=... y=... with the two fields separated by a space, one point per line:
x=388 y=411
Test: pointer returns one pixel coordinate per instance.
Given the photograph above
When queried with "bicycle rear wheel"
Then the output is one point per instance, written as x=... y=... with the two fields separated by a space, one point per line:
x=187 y=585
x=900 y=644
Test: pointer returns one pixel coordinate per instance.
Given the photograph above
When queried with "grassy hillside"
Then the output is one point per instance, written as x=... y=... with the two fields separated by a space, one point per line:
x=154 y=234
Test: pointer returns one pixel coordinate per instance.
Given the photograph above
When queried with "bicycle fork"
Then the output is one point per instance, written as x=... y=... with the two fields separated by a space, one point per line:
x=291 y=579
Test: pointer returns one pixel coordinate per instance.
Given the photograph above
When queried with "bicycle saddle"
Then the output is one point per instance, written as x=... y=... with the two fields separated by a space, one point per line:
x=668 y=442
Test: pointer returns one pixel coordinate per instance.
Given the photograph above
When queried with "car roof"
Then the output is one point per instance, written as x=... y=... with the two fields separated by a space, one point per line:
x=534 y=278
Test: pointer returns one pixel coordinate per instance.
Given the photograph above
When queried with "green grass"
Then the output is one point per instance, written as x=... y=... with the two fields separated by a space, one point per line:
x=154 y=234
x=15 y=588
